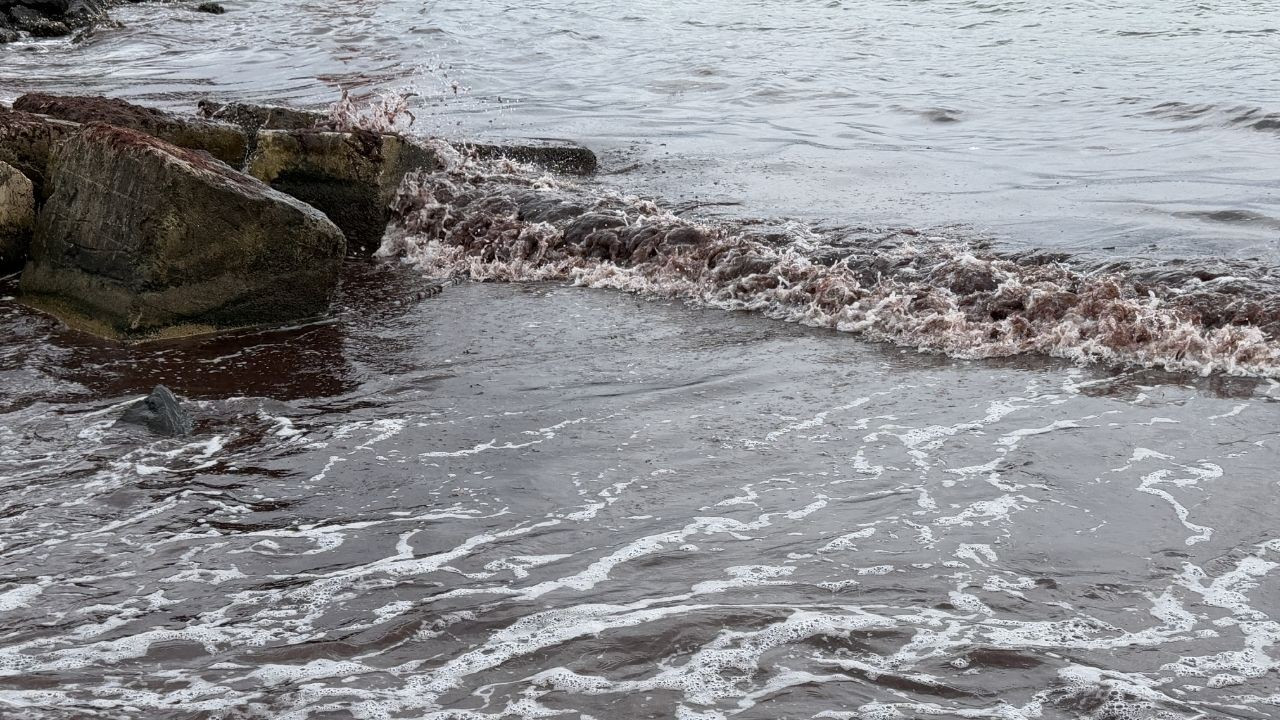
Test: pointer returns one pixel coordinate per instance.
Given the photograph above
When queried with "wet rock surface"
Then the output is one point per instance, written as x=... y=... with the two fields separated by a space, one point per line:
x=17 y=217
x=351 y=177
x=558 y=155
x=27 y=140
x=49 y=18
x=140 y=238
x=261 y=117
x=224 y=141
x=161 y=413
x=253 y=118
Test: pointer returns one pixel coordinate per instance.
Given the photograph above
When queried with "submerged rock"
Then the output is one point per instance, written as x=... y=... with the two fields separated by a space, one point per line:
x=212 y=8
x=27 y=140
x=17 y=217
x=350 y=176
x=224 y=141
x=161 y=413
x=140 y=238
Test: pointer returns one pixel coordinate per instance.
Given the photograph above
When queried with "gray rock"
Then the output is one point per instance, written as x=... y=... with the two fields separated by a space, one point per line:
x=141 y=239
x=350 y=176
x=161 y=413
x=17 y=217
x=224 y=141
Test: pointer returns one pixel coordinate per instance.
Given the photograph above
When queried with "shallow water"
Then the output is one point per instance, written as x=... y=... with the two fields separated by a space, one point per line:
x=555 y=502
x=533 y=500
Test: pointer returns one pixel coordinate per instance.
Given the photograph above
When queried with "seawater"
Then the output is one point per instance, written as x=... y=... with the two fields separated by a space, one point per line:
x=546 y=498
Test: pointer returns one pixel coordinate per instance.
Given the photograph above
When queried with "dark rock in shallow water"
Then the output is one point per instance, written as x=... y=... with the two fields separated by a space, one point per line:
x=212 y=8
x=161 y=413
x=351 y=177
x=560 y=156
x=27 y=140
x=141 y=239
x=17 y=217
x=38 y=25
x=224 y=141
x=52 y=18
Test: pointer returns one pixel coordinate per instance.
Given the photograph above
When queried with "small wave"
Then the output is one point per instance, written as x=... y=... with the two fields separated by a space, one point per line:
x=935 y=294
x=1237 y=116
x=941 y=115
x=1233 y=217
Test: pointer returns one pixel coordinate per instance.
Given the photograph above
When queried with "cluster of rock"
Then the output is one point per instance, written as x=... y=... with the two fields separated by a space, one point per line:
x=47 y=18
x=55 y=18
x=134 y=223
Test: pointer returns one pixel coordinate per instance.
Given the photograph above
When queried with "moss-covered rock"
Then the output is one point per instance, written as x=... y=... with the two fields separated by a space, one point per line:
x=17 y=217
x=224 y=141
x=350 y=176
x=140 y=238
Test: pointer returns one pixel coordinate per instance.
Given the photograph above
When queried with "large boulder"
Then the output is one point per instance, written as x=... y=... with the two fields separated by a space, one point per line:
x=140 y=238
x=224 y=141
x=27 y=140
x=17 y=217
x=351 y=176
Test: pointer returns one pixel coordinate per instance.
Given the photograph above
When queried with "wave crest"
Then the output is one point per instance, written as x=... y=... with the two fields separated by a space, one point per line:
x=499 y=222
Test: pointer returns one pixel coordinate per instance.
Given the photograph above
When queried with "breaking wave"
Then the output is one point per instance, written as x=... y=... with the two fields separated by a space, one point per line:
x=504 y=222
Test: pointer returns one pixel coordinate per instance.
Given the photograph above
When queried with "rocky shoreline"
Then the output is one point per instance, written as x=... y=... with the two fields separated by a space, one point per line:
x=59 y=18
x=133 y=223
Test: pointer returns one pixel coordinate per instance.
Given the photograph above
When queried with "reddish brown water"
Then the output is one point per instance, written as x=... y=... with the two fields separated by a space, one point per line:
x=540 y=501
x=535 y=500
